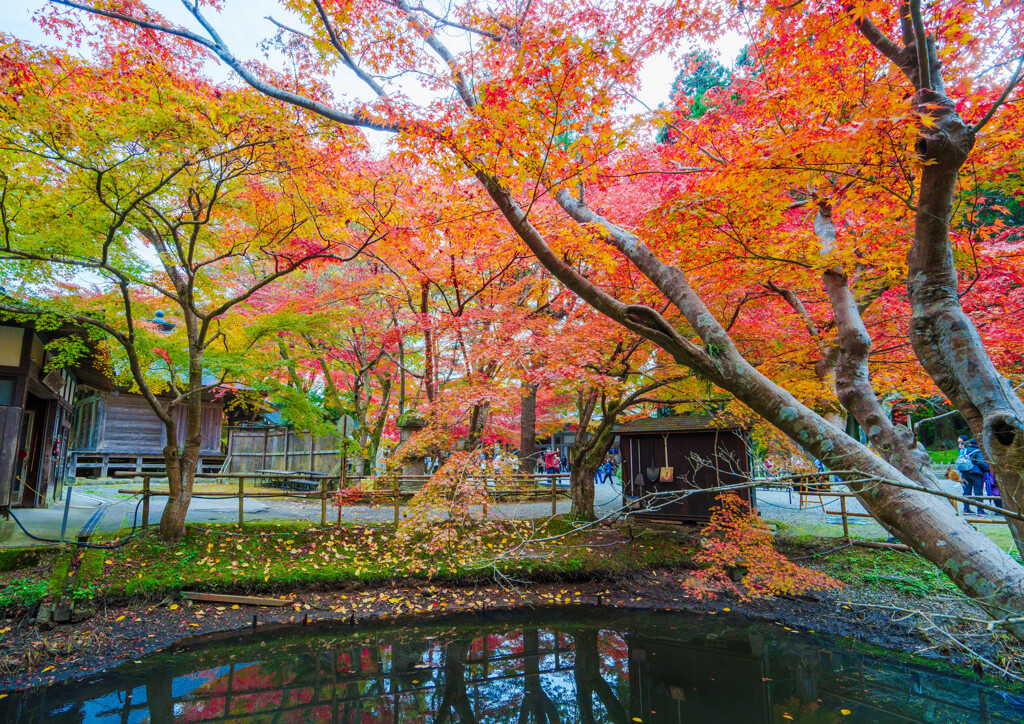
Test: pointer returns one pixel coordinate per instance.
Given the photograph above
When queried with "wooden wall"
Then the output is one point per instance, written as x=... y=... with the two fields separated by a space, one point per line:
x=10 y=424
x=281 y=448
x=125 y=423
x=701 y=459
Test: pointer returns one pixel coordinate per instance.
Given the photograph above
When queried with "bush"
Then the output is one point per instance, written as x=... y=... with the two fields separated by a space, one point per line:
x=23 y=592
x=738 y=549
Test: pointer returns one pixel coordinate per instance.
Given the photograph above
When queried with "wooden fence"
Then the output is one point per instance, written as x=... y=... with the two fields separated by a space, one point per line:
x=311 y=486
x=251 y=449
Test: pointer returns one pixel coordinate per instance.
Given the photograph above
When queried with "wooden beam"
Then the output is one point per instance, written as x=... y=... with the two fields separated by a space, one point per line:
x=241 y=600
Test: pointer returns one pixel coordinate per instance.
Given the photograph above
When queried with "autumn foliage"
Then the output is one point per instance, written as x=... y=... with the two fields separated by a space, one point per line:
x=738 y=558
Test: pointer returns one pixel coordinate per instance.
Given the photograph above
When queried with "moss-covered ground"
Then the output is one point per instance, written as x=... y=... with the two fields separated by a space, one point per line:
x=274 y=558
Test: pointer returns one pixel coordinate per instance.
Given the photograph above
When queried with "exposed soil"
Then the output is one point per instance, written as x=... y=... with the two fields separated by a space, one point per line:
x=127 y=632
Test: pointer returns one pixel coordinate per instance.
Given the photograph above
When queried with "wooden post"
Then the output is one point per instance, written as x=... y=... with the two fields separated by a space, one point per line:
x=287 y=446
x=344 y=463
x=145 y=502
x=846 y=524
x=241 y=500
x=398 y=486
x=266 y=436
x=554 y=504
x=323 y=502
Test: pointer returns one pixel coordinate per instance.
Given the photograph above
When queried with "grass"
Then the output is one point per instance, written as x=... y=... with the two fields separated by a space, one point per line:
x=883 y=570
x=15 y=559
x=276 y=558
x=24 y=577
x=943 y=457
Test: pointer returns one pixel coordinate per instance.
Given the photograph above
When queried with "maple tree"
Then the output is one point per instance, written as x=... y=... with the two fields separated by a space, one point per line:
x=530 y=109
x=333 y=345
x=123 y=197
x=738 y=550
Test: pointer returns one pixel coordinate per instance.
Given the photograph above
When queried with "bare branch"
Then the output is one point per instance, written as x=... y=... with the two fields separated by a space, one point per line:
x=924 y=68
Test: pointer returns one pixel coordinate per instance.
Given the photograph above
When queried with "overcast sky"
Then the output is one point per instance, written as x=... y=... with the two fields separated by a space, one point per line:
x=244 y=25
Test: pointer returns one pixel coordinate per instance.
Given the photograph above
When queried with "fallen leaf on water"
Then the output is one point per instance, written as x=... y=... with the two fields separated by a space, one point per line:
x=845 y=712
x=48 y=668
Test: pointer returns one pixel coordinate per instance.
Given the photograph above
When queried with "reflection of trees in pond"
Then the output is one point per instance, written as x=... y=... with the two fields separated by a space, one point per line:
x=590 y=682
x=536 y=705
x=454 y=692
x=566 y=670
x=532 y=675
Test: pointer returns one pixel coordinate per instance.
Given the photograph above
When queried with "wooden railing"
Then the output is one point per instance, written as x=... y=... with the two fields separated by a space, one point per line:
x=323 y=487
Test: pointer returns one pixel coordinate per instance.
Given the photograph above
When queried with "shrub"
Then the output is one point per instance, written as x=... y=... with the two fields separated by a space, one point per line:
x=738 y=558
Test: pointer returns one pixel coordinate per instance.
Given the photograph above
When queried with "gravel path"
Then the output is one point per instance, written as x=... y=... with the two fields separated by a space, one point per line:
x=782 y=507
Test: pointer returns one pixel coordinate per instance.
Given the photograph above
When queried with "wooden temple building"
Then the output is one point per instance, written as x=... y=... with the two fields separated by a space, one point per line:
x=75 y=422
x=36 y=409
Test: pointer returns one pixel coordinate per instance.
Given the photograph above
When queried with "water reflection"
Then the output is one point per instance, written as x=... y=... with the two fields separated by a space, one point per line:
x=586 y=668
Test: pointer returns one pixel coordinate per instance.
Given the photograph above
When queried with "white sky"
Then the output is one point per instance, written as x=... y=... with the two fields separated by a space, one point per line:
x=244 y=25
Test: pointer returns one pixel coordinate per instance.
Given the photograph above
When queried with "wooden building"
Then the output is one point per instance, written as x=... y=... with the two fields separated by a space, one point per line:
x=35 y=417
x=664 y=454
x=115 y=430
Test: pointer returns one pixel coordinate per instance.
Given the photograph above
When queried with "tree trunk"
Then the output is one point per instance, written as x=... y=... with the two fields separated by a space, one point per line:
x=979 y=567
x=528 y=430
x=944 y=338
x=584 y=470
x=386 y=386
x=477 y=423
x=590 y=450
x=428 y=341
x=181 y=463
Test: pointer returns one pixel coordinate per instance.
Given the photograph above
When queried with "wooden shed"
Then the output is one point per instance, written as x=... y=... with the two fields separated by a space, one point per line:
x=118 y=430
x=661 y=454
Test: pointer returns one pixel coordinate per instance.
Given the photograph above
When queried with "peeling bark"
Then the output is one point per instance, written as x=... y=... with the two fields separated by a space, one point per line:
x=979 y=567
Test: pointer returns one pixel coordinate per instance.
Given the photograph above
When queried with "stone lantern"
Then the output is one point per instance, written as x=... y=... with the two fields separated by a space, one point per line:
x=408 y=425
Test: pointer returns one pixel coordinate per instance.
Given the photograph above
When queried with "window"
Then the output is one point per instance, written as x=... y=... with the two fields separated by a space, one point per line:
x=6 y=391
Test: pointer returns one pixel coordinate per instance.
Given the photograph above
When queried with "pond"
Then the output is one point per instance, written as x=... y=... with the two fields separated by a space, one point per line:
x=544 y=667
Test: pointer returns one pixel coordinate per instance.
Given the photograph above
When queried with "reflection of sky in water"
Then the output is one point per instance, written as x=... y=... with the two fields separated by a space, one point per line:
x=569 y=668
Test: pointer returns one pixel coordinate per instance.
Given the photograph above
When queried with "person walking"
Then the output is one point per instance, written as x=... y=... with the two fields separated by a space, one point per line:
x=993 y=490
x=552 y=463
x=971 y=465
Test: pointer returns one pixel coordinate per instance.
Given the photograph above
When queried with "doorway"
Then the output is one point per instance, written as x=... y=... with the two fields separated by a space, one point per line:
x=26 y=489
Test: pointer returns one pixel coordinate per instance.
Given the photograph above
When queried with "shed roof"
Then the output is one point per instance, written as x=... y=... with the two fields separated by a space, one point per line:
x=679 y=423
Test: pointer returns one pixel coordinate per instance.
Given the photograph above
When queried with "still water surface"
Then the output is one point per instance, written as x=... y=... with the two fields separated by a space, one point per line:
x=584 y=667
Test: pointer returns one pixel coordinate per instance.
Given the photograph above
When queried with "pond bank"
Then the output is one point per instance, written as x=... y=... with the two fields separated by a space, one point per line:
x=139 y=609
x=127 y=632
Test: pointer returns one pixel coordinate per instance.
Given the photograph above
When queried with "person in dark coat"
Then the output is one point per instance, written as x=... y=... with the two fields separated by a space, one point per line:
x=971 y=465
